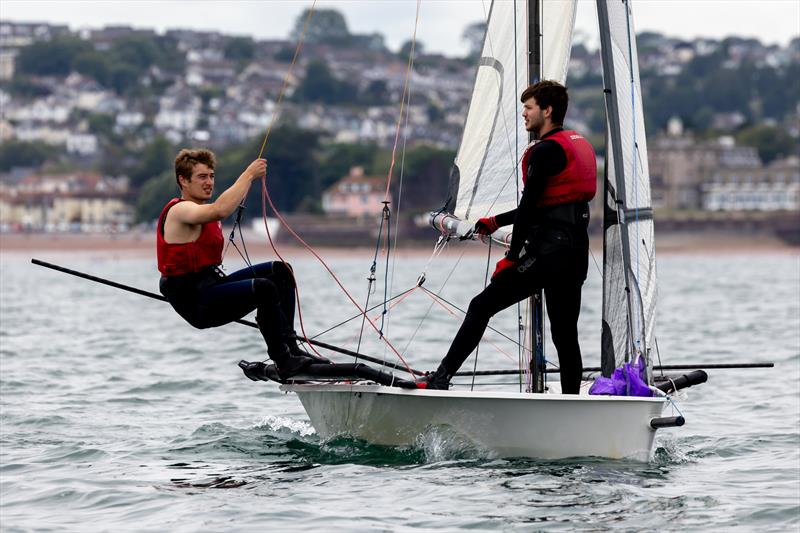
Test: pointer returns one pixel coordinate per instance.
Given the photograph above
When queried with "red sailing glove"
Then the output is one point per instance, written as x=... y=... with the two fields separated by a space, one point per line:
x=503 y=264
x=486 y=226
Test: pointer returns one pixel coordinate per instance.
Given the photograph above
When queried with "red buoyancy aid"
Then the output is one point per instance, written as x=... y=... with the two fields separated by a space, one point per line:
x=578 y=181
x=188 y=257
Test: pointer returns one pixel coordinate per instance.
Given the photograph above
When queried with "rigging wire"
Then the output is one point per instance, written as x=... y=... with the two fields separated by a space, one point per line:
x=265 y=195
x=343 y=322
x=399 y=193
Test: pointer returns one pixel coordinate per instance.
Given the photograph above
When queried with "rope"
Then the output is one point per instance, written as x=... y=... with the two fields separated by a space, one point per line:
x=266 y=198
x=288 y=75
x=342 y=323
x=402 y=100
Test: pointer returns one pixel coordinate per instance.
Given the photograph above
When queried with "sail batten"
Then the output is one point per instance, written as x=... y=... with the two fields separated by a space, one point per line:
x=494 y=136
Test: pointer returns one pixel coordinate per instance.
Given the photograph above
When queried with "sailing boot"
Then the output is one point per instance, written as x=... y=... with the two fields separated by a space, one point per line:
x=288 y=364
x=438 y=380
x=297 y=351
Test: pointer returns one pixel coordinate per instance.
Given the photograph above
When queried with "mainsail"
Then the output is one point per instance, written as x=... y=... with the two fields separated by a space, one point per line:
x=487 y=164
x=629 y=267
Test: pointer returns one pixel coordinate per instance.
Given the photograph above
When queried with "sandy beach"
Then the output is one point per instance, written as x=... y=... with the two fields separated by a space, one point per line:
x=138 y=244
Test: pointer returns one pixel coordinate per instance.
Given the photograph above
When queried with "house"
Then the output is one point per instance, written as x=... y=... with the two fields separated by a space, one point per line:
x=356 y=195
x=680 y=165
x=772 y=188
x=65 y=202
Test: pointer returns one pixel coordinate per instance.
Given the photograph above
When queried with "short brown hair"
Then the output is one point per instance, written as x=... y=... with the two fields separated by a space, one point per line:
x=549 y=93
x=188 y=158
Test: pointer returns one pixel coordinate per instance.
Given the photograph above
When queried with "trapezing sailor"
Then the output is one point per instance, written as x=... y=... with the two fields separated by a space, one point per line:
x=190 y=247
x=549 y=247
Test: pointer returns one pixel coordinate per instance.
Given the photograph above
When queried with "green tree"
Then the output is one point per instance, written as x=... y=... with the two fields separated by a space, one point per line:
x=425 y=181
x=320 y=85
x=292 y=172
x=405 y=49
x=94 y=65
x=375 y=93
x=156 y=158
x=239 y=49
x=327 y=26
x=154 y=194
x=15 y=153
x=473 y=35
x=23 y=86
x=137 y=51
x=50 y=58
x=101 y=124
x=336 y=160
x=771 y=142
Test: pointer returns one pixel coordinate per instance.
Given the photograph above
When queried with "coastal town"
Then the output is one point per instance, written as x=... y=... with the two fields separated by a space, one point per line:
x=77 y=130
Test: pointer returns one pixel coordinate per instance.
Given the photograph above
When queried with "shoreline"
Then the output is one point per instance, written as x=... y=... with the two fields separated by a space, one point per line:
x=138 y=244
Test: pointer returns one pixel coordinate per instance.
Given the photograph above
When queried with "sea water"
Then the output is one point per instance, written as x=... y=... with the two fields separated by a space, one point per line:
x=115 y=415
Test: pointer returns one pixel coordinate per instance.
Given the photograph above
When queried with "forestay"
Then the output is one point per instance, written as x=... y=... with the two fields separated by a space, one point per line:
x=486 y=172
x=629 y=254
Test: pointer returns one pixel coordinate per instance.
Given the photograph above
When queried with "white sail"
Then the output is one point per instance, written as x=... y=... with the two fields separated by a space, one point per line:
x=629 y=254
x=487 y=164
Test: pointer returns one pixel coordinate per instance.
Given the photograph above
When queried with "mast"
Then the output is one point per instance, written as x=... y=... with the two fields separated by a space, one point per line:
x=537 y=308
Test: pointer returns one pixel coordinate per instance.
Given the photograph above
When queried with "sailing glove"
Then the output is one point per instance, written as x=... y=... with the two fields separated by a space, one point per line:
x=503 y=264
x=486 y=226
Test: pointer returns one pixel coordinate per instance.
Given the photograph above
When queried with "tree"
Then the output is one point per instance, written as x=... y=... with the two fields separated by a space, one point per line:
x=15 y=153
x=155 y=159
x=473 y=35
x=771 y=142
x=50 y=58
x=405 y=49
x=425 y=180
x=327 y=26
x=376 y=93
x=292 y=172
x=94 y=65
x=320 y=85
x=154 y=194
x=336 y=160
x=240 y=49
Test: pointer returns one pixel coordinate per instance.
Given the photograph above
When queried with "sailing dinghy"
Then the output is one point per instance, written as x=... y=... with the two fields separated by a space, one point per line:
x=526 y=40
x=529 y=40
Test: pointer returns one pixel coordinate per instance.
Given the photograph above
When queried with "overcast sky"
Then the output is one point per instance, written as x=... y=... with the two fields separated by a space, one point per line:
x=440 y=26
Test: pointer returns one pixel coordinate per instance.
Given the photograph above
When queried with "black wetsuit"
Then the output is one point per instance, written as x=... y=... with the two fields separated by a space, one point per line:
x=551 y=248
x=209 y=299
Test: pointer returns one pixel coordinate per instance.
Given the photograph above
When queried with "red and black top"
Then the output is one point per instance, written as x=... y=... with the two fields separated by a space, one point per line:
x=188 y=257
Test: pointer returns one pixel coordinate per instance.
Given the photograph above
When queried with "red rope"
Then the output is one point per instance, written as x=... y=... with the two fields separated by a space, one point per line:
x=265 y=198
x=449 y=310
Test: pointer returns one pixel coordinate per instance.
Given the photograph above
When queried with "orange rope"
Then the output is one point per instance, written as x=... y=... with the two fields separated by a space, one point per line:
x=402 y=102
x=286 y=78
x=438 y=301
x=266 y=198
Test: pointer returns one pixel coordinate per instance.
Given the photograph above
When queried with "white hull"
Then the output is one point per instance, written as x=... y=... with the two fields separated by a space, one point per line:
x=547 y=426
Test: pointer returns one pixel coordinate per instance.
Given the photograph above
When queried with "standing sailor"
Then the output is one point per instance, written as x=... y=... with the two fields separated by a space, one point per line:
x=189 y=245
x=550 y=243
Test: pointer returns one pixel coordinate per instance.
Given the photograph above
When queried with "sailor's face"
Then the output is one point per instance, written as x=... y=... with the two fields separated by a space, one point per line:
x=201 y=186
x=533 y=116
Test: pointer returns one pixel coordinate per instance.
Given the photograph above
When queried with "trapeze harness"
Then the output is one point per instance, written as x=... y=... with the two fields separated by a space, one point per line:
x=563 y=202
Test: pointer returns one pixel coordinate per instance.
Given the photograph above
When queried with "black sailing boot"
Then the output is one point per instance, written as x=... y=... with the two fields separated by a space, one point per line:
x=288 y=364
x=438 y=380
x=297 y=351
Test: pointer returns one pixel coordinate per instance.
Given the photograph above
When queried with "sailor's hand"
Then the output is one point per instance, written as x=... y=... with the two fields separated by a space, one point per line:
x=257 y=169
x=486 y=226
x=503 y=264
